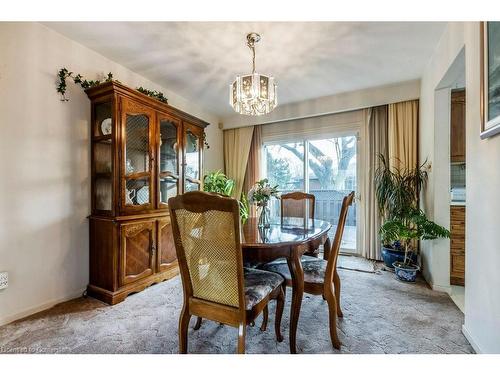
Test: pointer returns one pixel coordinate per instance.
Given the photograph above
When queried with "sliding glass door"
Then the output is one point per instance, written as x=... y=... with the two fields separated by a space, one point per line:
x=326 y=167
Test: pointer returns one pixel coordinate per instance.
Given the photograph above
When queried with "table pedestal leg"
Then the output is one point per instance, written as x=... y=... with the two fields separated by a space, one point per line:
x=297 y=274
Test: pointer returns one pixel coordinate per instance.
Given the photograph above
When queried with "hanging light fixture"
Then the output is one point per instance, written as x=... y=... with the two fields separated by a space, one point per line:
x=253 y=94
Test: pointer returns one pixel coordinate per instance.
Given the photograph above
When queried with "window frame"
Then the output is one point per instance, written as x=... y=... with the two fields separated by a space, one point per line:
x=357 y=130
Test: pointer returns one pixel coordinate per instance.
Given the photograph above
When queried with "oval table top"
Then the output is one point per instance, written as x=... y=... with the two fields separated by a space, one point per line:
x=292 y=231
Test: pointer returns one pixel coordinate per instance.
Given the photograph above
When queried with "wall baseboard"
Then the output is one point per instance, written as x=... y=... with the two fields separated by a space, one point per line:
x=36 y=309
x=440 y=288
x=471 y=341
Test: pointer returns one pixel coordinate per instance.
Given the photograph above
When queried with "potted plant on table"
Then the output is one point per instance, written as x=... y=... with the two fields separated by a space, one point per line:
x=218 y=182
x=260 y=194
x=397 y=191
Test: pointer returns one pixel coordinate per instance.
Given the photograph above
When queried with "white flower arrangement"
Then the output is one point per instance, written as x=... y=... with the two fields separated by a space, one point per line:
x=262 y=192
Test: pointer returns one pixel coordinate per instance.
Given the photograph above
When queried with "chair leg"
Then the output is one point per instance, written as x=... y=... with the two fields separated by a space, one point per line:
x=280 y=304
x=326 y=248
x=198 y=324
x=265 y=317
x=336 y=284
x=241 y=338
x=332 y=312
x=183 y=330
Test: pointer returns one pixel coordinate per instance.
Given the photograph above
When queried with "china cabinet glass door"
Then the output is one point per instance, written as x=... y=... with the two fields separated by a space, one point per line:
x=137 y=157
x=192 y=157
x=102 y=161
x=169 y=165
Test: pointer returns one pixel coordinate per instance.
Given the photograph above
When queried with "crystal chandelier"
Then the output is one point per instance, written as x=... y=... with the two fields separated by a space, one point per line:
x=253 y=94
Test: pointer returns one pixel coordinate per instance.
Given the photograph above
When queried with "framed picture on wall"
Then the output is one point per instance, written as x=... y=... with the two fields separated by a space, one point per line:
x=490 y=79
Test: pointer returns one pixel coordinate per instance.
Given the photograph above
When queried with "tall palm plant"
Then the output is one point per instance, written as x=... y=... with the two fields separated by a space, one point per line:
x=397 y=189
x=397 y=192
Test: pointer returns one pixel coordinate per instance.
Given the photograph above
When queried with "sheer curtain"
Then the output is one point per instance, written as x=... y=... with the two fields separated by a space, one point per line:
x=377 y=143
x=236 y=149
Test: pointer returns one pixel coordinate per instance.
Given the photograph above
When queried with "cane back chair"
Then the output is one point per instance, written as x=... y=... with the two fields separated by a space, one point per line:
x=320 y=275
x=206 y=231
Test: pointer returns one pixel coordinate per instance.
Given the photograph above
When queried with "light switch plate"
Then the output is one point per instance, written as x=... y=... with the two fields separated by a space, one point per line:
x=4 y=280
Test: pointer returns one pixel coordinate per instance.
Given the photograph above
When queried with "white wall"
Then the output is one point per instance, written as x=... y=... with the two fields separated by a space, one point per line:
x=434 y=146
x=482 y=279
x=343 y=102
x=44 y=153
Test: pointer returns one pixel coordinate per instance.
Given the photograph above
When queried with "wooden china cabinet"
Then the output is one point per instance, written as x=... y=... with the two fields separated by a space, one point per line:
x=143 y=152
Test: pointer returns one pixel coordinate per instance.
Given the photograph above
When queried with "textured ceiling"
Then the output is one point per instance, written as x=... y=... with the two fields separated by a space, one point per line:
x=198 y=60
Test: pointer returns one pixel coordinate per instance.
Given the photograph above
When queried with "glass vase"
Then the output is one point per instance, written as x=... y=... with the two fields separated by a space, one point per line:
x=264 y=216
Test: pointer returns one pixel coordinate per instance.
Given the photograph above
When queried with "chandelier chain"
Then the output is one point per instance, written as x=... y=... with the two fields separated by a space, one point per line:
x=253 y=60
x=251 y=45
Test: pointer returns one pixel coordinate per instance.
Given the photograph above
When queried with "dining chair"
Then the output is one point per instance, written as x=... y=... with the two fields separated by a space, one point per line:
x=206 y=231
x=299 y=204
x=320 y=275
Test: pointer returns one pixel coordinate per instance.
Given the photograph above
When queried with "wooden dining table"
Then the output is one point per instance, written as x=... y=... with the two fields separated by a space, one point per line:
x=289 y=238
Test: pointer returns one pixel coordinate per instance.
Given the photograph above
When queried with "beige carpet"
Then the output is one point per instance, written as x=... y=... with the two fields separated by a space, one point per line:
x=381 y=315
x=355 y=263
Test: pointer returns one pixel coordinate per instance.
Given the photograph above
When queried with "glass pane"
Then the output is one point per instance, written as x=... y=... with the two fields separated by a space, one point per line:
x=168 y=147
x=168 y=188
x=191 y=186
x=137 y=144
x=285 y=168
x=332 y=176
x=103 y=192
x=493 y=70
x=102 y=125
x=102 y=157
x=137 y=192
x=192 y=157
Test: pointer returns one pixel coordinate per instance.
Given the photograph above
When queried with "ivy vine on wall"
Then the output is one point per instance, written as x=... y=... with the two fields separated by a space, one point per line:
x=78 y=79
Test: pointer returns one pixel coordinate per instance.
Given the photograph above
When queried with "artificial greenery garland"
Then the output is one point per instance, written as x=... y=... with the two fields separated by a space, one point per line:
x=153 y=94
x=78 y=79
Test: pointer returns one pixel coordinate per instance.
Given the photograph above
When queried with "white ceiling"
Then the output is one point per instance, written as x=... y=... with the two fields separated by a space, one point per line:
x=198 y=60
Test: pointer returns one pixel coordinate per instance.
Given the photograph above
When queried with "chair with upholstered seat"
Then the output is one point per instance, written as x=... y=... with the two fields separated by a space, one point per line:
x=206 y=231
x=320 y=275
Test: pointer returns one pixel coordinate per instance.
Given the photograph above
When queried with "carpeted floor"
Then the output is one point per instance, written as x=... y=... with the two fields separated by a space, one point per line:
x=381 y=315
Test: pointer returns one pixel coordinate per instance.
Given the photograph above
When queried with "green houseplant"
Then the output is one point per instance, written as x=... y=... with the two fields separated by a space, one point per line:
x=397 y=191
x=218 y=182
x=407 y=230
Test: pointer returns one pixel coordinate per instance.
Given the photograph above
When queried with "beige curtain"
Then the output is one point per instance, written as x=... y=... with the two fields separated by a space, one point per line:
x=377 y=143
x=403 y=134
x=236 y=149
x=253 y=171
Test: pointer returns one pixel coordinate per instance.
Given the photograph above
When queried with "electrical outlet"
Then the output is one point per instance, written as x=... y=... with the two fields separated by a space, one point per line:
x=4 y=280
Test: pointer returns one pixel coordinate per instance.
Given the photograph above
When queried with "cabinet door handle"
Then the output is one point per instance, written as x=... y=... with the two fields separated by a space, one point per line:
x=153 y=249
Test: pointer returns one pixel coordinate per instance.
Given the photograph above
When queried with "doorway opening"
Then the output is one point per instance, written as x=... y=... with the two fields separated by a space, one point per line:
x=444 y=263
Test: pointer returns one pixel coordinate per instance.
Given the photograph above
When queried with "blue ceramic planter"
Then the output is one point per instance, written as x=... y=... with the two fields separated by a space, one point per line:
x=390 y=256
x=406 y=274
